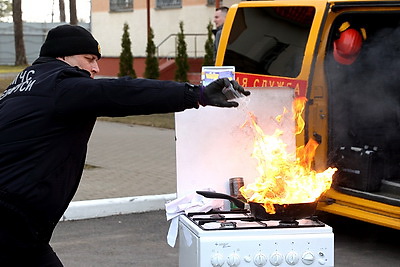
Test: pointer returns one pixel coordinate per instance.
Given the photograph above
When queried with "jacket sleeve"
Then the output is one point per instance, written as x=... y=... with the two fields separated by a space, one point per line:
x=122 y=97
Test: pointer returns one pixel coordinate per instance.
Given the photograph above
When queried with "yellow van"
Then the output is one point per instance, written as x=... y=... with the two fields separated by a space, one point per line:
x=343 y=56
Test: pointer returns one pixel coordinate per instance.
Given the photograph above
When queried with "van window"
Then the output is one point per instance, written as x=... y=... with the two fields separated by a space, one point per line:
x=269 y=40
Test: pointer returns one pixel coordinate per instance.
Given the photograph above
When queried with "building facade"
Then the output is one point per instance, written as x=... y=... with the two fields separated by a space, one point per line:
x=108 y=18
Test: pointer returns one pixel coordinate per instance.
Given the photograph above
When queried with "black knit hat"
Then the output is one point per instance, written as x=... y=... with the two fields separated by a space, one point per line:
x=68 y=40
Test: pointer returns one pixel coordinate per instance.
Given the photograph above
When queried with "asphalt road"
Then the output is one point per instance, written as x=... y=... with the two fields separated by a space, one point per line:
x=140 y=240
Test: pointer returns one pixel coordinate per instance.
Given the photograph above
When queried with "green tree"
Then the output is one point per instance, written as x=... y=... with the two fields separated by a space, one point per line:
x=152 y=71
x=181 y=59
x=209 y=47
x=126 y=57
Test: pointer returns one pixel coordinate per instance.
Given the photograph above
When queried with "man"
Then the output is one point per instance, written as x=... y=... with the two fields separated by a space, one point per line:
x=219 y=20
x=46 y=118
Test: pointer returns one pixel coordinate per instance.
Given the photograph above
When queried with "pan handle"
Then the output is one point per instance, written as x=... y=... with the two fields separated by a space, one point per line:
x=209 y=194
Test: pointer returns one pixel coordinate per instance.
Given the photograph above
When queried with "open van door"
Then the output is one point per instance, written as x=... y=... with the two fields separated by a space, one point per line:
x=344 y=57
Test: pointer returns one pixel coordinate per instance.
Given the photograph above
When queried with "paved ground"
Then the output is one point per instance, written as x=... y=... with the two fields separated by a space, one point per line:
x=139 y=240
x=129 y=161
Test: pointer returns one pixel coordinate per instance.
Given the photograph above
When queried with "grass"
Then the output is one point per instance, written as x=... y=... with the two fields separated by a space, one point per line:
x=6 y=68
x=4 y=83
x=156 y=120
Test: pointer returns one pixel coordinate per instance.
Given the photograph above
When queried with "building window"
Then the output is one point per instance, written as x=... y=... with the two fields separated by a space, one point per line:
x=121 y=5
x=210 y=2
x=168 y=3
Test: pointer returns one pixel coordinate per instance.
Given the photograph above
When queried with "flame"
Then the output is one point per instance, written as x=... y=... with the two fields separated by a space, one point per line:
x=285 y=178
x=298 y=107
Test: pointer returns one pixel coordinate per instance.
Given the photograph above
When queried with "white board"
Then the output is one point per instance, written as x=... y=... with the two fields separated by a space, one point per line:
x=211 y=146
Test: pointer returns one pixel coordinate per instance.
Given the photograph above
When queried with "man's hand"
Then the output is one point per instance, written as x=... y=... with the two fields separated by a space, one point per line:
x=212 y=94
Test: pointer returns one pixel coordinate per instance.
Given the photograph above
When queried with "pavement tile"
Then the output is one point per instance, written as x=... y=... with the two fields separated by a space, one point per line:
x=130 y=160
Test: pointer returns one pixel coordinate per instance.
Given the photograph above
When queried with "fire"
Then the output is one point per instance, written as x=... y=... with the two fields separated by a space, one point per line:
x=285 y=178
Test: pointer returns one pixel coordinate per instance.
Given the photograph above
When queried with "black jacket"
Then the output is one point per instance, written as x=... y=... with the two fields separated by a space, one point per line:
x=46 y=118
x=217 y=32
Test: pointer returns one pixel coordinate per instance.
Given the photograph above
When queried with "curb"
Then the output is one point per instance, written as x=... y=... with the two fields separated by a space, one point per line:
x=89 y=209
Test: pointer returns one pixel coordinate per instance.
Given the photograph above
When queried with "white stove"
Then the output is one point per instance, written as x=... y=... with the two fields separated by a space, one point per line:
x=237 y=239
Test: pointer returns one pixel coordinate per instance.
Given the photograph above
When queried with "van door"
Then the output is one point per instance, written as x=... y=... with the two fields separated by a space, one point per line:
x=358 y=71
x=271 y=43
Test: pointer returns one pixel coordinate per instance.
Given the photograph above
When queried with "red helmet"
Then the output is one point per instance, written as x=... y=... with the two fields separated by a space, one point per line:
x=348 y=46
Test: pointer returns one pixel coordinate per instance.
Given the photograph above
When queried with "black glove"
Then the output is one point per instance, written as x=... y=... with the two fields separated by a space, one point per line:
x=212 y=94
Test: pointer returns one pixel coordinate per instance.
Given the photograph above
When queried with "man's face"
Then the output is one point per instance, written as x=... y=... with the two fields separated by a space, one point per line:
x=86 y=62
x=219 y=18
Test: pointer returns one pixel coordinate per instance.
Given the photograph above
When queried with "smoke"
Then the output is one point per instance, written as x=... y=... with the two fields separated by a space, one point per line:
x=365 y=96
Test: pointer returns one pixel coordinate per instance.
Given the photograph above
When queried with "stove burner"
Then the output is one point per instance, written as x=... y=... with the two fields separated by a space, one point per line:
x=236 y=220
x=230 y=225
x=289 y=223
x=217 y=216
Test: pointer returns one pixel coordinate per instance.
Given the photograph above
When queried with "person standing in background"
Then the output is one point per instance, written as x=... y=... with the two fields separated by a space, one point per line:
x=219 y=20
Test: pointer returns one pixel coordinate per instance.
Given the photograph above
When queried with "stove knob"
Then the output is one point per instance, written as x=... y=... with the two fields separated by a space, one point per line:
x=276 y=258
x=233 y=260
x=322 y=261
x=260 y=259
x=247 y=258
x=292 y=258
x=307 y=258
x=217 y=260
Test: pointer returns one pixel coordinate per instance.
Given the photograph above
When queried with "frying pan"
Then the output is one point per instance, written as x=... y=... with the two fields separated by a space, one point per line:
x=283 y=212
